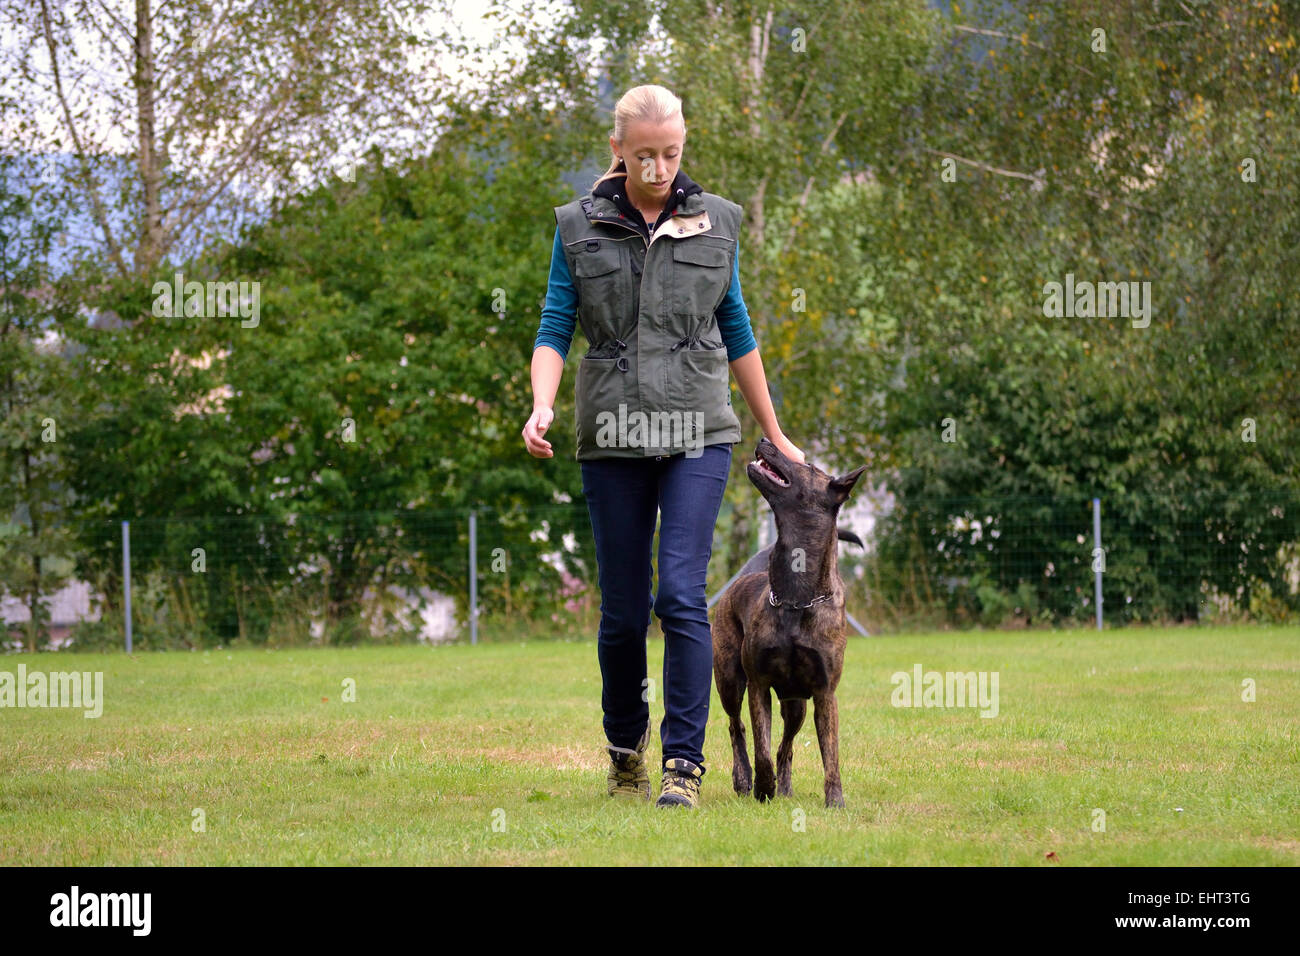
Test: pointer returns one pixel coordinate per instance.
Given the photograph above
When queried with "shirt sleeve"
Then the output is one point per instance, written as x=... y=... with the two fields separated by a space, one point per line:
x=561 y=307
x=733 y=317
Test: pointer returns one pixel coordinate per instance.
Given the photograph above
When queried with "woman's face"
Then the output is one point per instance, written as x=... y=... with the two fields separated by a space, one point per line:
x=652 y=153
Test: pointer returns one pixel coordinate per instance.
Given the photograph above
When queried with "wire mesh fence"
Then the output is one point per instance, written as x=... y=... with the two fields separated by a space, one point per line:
x=406 y=576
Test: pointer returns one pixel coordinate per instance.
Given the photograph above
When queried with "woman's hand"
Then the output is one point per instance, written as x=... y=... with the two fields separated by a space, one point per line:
x=785 y=447
x=541 y=420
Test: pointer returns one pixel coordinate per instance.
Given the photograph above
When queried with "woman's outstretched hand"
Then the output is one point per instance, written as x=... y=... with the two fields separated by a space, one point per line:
x=787 y=448
x=541 y=420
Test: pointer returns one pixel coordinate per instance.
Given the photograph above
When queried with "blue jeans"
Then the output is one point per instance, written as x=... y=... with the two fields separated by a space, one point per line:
x=623 y=495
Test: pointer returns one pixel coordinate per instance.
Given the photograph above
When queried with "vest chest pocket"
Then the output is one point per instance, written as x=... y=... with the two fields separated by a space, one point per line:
x=598 y=277
x=700 y=276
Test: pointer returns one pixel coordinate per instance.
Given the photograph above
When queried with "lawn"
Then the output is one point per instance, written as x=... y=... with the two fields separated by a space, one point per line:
x=493 y=755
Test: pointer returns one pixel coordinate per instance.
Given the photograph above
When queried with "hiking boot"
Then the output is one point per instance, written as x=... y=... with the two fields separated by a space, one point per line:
x=628 y=776
x=681 y=784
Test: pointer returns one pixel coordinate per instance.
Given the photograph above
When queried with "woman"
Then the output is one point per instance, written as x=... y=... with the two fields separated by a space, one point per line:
x=648 y=263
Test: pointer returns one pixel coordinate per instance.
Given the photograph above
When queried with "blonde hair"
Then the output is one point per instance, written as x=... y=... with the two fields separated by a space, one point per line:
x=649 y=104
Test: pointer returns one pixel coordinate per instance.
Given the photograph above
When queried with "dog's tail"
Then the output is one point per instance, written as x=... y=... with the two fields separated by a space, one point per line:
x=846 y=535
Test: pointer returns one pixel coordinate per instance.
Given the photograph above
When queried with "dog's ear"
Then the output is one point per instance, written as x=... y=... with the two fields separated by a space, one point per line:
x=841 y=486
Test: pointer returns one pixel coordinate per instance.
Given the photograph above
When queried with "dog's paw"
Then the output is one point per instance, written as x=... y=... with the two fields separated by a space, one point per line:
x=835 y=800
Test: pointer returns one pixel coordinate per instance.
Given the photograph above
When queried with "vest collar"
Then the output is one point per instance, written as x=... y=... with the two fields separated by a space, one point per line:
x=687 y=216
x=690 y=218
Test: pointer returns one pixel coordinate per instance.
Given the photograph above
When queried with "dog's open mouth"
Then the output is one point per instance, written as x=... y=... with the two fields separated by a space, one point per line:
x=769 y=471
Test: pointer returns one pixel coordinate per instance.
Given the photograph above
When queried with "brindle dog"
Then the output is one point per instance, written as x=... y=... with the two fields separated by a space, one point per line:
x=782 y=627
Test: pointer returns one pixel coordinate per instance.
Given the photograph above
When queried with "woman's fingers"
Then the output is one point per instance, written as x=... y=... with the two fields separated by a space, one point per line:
x=538 y=446
x=786 y=447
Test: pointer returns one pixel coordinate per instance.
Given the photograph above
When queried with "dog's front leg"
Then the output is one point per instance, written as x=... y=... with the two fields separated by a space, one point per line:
x=792 y=714
x=827 y=718
x=760 y=715
x=741 y=776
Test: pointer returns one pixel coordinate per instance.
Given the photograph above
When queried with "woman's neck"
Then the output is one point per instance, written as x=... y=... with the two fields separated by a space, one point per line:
x=646 y=206
x=651 y=216
x=650 y=210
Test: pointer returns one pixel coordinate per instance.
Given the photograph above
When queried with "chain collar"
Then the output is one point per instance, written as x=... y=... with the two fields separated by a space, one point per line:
x=771 y=599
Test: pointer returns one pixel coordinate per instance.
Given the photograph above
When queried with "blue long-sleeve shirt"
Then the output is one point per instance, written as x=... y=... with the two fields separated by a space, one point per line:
x=559 y=313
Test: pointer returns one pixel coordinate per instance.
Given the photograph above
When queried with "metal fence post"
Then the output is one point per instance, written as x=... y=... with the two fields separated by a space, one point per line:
x=126 y=578
x=1096 y=543
x=473 y=579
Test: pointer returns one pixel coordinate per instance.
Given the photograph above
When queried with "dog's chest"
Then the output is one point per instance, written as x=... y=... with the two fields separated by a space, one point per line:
x=792 y=664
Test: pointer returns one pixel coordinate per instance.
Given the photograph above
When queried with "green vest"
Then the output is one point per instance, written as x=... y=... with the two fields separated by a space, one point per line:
x=654 y=380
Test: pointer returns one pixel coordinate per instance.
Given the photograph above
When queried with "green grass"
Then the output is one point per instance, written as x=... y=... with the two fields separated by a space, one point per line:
x=440 y=742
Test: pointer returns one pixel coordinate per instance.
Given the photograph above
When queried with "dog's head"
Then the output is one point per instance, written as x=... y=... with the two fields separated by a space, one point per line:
x=788 y=485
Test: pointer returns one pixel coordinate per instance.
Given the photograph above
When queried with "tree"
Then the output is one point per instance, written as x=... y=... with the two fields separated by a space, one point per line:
x=376 y=395
x=1163 y=159
x=180 y=118
x=35 y=411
